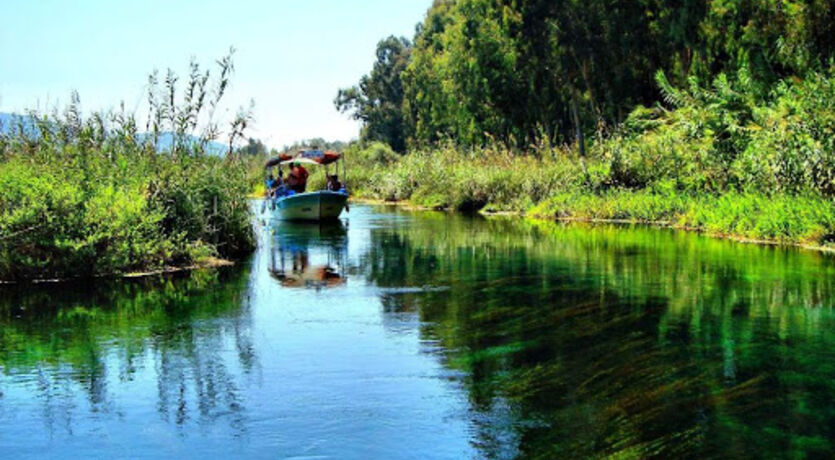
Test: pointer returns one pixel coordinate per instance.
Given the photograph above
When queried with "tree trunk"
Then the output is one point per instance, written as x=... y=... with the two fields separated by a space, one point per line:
x=581 y=141
x=575 y=114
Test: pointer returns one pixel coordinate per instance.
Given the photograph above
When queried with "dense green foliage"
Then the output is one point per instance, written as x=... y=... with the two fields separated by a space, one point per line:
x=724 y=138
x=87 y=197
x=698 y=166
x=531 y=70
x=378 y=99
x=717 y=114
x=71 y=213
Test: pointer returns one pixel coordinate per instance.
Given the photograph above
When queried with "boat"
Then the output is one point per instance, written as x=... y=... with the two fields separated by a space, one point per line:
x=319 y=205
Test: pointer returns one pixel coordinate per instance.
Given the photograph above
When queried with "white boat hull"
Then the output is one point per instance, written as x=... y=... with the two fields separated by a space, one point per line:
x=311 y=206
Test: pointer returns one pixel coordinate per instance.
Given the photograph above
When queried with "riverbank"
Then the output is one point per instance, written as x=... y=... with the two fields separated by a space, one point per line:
x=107 y=212
x=91 y=196
x=201 y=264
x=117 y=215
x=555 y=184
x=828 y=247
x=726 y=157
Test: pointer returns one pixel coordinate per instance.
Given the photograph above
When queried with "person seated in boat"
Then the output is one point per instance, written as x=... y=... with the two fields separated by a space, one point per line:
x=303 y=175
x=292 y=180
x=297 y=178
x=270 y=184
x=333 y=183
x=278 y=186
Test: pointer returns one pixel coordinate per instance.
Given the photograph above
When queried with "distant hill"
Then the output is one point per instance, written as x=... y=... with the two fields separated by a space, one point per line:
x=10 y=122
x=166 y=141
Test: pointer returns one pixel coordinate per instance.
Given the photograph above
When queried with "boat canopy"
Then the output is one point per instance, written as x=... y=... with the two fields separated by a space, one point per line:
x=277 y=160
x=315 y=157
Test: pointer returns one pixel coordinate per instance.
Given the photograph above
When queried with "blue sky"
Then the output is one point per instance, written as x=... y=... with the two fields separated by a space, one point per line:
x=291 y=57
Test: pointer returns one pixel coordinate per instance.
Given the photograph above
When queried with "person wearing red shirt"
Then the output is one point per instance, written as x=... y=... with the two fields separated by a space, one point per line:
x=298 y=177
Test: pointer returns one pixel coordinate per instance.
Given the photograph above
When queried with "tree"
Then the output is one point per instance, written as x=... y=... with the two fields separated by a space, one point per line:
x=524 y=71
x=253 y=147
x=378 y=99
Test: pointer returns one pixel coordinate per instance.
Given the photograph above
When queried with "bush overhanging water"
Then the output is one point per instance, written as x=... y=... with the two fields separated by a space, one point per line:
x=83 y=197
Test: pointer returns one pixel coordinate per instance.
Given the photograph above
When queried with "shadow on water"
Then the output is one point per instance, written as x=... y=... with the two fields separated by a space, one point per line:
x=587 y=341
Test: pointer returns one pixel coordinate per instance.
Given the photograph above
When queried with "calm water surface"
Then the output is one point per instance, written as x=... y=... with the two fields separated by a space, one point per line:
x=429 y=335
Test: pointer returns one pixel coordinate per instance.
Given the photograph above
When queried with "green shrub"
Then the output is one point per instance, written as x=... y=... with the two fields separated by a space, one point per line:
x=731 y=159
x=72 y=218
x=82 y=197
x=448 y=178
x=729 y=138
x=781 y=218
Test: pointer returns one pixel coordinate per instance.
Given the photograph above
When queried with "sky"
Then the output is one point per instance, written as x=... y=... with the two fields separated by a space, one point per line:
x=291 y=56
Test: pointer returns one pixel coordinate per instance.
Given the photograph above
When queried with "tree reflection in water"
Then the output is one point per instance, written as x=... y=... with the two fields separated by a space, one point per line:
x=586 y=341
x=564 y=340
x=80 y=340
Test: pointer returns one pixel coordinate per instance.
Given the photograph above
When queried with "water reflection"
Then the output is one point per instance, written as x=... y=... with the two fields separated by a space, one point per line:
x=453 y=337
x=594 y=341
x=65 y=348
x=291 y=261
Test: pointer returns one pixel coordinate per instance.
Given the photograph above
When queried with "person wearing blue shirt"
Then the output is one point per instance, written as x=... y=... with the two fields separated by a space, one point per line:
x=278 y=184
x=270 y=183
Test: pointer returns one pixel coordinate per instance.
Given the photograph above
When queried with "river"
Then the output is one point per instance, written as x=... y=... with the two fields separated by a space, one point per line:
x=417 y=335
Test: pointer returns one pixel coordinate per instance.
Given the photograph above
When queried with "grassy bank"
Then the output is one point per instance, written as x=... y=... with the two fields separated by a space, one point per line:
x=755 y=217
x=731 y=154
x=70 y=213
x=727 y=161
x=556 y=187
x=90 y=196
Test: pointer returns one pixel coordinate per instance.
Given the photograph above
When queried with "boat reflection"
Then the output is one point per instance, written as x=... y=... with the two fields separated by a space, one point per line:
x=308 y=254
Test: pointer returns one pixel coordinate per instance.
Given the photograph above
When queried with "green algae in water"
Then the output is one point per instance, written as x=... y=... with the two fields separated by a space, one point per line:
x=633 y=342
